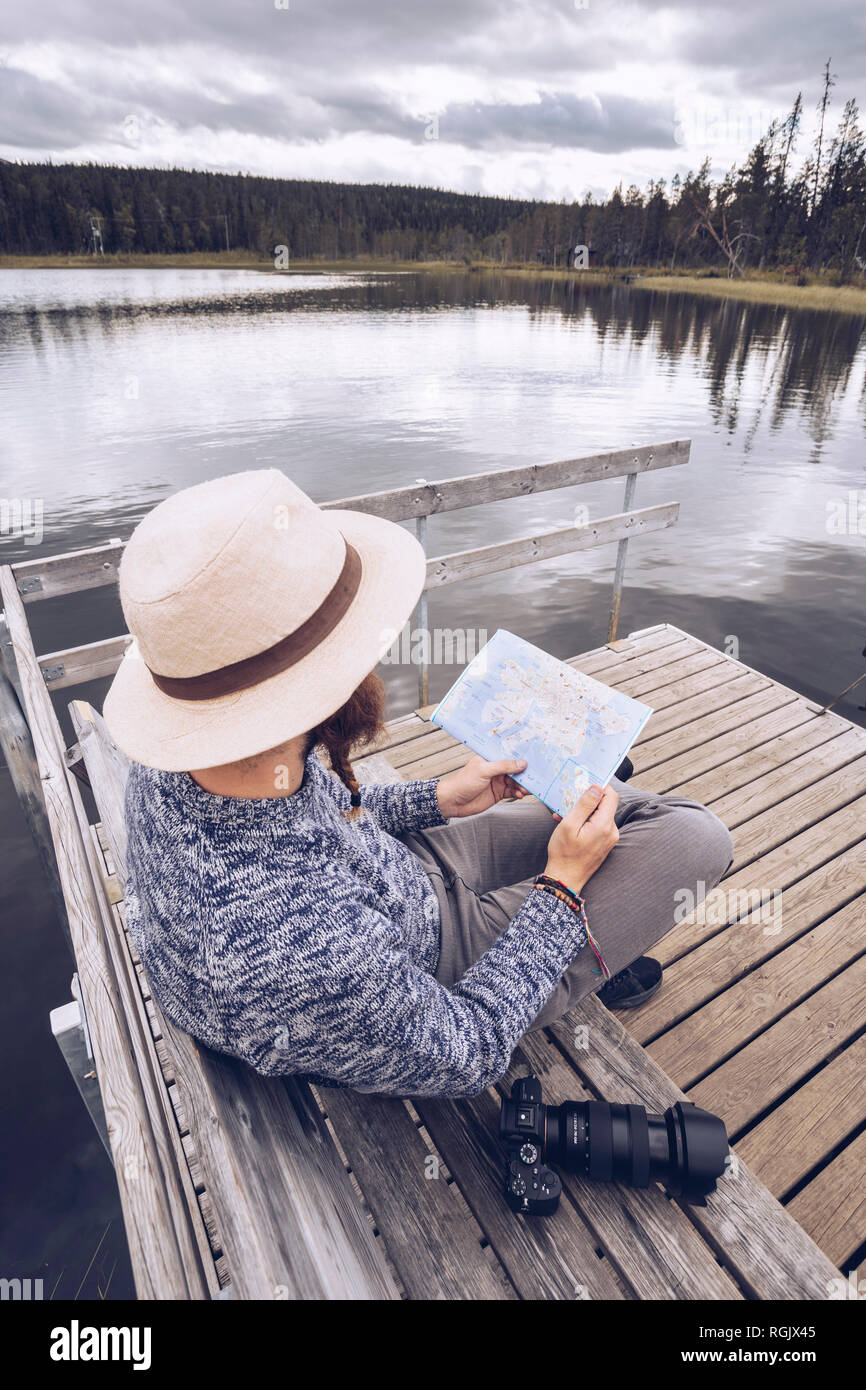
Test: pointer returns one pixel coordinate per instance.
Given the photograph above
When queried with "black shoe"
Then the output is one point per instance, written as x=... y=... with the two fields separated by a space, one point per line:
x=625 y=770
x=633 y=986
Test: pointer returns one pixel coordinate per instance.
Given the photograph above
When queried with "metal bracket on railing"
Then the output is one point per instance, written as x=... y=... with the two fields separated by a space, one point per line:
x=77 y=993
x=30 y=586
x=53 y=673
x=7 y=658
x=71 y=1032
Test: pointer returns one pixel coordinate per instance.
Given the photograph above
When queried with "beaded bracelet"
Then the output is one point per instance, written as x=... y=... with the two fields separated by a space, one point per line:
x=573 y=900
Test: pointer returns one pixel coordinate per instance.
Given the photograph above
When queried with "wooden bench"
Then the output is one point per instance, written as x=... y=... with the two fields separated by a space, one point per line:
x=278 y=1191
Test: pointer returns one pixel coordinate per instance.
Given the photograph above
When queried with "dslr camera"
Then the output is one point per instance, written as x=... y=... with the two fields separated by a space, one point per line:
x=686 y=1148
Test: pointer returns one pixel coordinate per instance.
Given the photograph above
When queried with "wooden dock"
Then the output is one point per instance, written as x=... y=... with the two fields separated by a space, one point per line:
x=234 y=1185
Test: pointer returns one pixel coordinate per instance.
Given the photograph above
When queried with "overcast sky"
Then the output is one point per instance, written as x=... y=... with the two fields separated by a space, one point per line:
x=538 y=98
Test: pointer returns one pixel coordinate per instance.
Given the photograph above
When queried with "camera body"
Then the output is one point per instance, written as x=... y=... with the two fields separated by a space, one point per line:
x=531 y=1186
x=685 y=1148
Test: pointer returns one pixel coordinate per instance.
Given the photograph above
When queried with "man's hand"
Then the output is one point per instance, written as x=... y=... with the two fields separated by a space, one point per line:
x=478 y=785
x=582 y=841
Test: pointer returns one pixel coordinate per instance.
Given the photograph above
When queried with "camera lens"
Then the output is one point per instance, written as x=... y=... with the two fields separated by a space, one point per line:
x=685 y=1148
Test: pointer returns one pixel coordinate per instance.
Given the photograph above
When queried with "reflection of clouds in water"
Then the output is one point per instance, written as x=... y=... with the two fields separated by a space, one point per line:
x=175 y=289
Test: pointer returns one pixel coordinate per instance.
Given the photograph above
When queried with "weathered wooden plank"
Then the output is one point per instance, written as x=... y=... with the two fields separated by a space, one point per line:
x=436 y=740
x=397 y=734
x=91 y=662
x=429 y=1235
x=290 y=1222
x=716 y=699
x=774 y=787
x=631 y=649
x=212 y=1234
x=436 y=764
x=157 y=1246
x=702 y=693
x=166 y=1065
x=180 y=1190
x=639 y=634
x=750 y=765
x=700 y=733
x=107 y=768
x=192 y=1179
x=53 y=575
x=649 y=680
x=833 y=1204
x=716 y=752
x=795 y=1137
x=769 y=1253
x=474 y=489
x=176 y=1099
x=745 y=890
x=613 y=666
x=798 y=812
x=192 y=1162
x=694 y=978
x=733 y=1018
x=546 y=545
x=775 y=1061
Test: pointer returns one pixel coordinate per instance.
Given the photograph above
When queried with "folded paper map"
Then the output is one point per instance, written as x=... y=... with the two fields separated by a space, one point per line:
x=515 y=701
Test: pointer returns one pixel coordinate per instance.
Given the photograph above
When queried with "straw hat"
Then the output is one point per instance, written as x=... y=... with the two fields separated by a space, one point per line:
x=255 y=615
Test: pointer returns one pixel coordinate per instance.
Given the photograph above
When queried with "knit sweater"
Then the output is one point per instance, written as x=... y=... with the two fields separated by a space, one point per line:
x=279 y=932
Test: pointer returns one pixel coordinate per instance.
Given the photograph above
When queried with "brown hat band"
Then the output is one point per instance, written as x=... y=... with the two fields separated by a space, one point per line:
x=252 y=670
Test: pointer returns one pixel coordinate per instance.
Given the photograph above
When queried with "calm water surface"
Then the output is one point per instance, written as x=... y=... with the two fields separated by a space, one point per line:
x=118 y=387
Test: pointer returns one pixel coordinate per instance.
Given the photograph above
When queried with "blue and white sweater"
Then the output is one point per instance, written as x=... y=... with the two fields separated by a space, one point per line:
x=277 y=931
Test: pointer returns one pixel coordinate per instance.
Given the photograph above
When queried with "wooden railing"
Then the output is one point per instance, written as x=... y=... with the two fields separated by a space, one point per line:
x=55 y=575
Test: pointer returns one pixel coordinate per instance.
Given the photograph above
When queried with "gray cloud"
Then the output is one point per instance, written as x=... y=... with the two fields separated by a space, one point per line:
x=38 y=113
x=771 y=45
x=336 y=68
x=610 y=125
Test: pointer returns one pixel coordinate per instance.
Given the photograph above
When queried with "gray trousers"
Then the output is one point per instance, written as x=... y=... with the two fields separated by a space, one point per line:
x=482 y=868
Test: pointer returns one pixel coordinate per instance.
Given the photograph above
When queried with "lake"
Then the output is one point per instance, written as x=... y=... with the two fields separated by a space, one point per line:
x=120 y=386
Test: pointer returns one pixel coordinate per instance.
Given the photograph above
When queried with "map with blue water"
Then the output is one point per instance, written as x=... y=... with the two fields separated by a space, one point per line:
x=516 y=701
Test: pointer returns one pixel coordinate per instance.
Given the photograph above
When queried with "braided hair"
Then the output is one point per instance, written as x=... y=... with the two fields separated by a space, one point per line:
x=355 y=725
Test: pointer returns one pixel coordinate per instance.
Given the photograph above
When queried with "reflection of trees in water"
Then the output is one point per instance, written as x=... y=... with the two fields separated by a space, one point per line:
x=805 y=357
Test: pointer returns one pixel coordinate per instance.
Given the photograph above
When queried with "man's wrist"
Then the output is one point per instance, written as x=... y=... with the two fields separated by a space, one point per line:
x=443 y=797
x=572 y=881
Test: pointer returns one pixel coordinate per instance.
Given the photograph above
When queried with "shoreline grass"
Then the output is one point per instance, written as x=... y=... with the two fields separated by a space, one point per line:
x=843 y=299
x=768 y=287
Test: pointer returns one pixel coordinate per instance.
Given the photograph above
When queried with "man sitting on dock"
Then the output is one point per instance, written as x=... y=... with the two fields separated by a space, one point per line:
x=397 y=938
